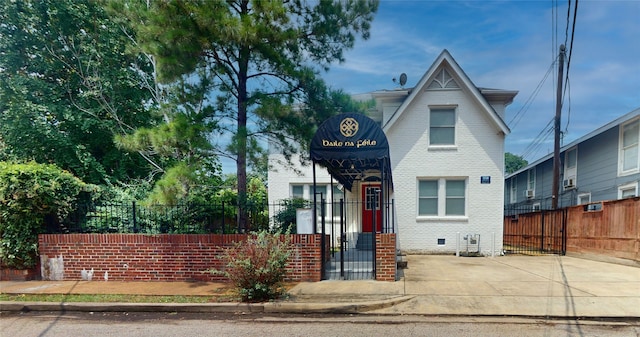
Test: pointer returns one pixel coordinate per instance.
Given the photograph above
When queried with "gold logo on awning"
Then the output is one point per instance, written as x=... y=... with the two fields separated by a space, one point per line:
x=349 y=127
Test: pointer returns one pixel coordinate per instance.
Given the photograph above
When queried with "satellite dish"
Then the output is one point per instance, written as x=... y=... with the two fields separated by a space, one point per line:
x=403 y=79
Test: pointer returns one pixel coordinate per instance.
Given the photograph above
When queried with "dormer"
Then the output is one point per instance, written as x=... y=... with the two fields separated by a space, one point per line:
x=388 y=101
x=498 y=99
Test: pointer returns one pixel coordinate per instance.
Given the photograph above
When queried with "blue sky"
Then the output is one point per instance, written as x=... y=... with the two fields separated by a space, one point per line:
x=509 y=45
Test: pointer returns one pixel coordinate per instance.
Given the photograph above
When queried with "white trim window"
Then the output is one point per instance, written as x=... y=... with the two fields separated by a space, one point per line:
x=442 y=127
x=338 y=194
x=513 y=194
x=628 y=191
x=297 y=191
x=305 y=191
x=531 y=181
x=445 y=197
x=584 y=198
x=570 y=168
x=629 y=155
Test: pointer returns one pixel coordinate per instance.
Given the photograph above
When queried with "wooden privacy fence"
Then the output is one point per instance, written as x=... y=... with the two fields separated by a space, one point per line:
x=608 y=228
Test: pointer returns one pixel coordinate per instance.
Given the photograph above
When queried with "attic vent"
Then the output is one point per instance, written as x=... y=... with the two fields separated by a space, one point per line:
x=443 y=80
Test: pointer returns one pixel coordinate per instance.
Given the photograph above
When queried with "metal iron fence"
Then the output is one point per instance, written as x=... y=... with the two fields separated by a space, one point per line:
x=528 y=231
x=135 y=217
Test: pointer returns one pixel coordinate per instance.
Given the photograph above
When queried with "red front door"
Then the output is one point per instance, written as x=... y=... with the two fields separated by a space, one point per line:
x=371 y=198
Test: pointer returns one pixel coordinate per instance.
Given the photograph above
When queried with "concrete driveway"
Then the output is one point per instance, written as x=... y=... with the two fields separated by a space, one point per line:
x=544 y=286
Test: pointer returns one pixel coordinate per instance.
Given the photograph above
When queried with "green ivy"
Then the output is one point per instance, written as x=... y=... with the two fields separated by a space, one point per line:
x=29 y=194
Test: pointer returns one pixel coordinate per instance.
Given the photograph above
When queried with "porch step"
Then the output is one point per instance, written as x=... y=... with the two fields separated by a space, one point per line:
x=364 y=241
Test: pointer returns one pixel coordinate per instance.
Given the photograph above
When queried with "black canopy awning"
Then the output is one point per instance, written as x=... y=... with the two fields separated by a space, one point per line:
x=352 y=147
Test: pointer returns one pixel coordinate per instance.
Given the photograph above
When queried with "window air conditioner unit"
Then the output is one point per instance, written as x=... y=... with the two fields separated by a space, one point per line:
x=529 y=194
x=569 y=183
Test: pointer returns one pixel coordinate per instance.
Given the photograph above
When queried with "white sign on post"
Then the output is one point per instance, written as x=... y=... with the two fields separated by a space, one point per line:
x=304 y=220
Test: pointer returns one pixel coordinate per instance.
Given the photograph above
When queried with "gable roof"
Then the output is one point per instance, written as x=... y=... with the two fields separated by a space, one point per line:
x=616 y=122
x=445 y=58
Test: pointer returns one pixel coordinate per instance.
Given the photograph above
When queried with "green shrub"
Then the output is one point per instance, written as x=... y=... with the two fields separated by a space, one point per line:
x=257 y=266
x=285 y=219
x=29 y=194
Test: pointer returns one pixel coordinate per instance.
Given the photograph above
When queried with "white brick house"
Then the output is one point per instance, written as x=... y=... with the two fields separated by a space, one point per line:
x=446 y=142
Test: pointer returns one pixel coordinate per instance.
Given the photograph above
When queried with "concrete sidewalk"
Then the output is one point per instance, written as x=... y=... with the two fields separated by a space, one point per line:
x=531 y=286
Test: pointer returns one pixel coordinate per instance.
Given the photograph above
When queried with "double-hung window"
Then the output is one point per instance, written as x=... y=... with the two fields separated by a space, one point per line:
x=442 y=197
x=629 y=148
x=628 y=191
x=455 y=197
x=337 y=195
x=297 y=191
x=428 y=197
x=531 y=181
x=442 y=127
x=513 y=192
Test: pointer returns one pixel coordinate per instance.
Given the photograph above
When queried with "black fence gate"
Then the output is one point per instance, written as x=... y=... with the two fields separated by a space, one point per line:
x=534 y=232
x=346 y=261
x=351 y=253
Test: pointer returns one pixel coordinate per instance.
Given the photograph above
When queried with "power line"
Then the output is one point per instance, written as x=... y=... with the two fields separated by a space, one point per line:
x=567 y=88
x=527 y=104
x=566 y=28
x=534 y=146
x=548 y=130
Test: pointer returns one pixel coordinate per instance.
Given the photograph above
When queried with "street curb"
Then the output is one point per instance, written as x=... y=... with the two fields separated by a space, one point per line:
x=130 y=307
x=336 y=308
x=269 y=307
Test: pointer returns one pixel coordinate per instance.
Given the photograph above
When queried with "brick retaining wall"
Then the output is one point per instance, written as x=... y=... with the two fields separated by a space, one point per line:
x=165 y=257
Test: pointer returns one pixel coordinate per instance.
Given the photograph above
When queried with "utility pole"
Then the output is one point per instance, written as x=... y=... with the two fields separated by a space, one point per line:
x=556 y=143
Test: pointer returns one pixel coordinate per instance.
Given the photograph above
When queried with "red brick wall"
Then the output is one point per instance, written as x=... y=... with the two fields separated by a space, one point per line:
x=165 y=257
x=7 y=274
x=386 y=257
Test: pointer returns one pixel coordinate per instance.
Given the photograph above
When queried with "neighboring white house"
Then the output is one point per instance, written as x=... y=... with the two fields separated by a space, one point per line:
x=446 y=142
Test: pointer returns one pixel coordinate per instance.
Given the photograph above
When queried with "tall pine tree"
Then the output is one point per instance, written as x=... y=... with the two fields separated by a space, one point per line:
x=260 y=61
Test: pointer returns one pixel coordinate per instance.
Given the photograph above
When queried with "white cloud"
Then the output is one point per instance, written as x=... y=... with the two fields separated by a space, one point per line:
x=509 y=45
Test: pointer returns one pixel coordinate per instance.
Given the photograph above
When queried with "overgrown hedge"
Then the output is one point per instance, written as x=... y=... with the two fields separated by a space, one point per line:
x=29 y=194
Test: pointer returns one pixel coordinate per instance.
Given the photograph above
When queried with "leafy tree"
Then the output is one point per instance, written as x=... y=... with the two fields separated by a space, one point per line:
x=31 y=193
x=67 y=85
x=256 y=203
x=513 y=162
x=259 y=61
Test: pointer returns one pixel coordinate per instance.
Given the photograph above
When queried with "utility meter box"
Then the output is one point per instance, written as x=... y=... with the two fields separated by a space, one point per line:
x=473 y=245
